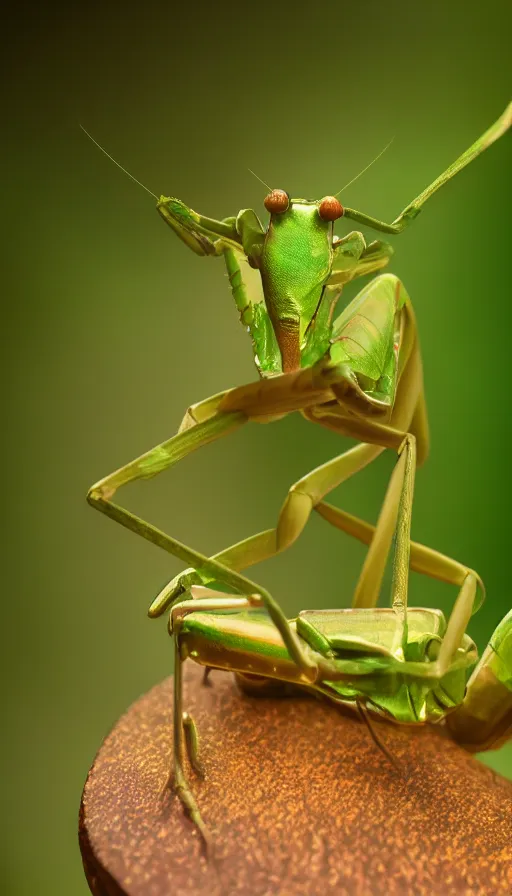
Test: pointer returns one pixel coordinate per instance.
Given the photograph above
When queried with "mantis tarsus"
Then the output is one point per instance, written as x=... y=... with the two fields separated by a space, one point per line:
x=360 y=375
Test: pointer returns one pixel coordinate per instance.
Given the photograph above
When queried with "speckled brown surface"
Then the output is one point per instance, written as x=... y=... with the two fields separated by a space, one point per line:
x=299 y=801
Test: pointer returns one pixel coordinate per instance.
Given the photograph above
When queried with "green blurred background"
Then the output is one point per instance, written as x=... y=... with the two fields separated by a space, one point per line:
x=111 y=328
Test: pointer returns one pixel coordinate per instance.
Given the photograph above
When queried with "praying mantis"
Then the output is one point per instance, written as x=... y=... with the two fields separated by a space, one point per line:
x=359 y=375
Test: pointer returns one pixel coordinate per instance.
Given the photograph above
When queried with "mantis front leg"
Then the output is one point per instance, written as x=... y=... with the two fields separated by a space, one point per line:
x=413 y=209
x=155 y=461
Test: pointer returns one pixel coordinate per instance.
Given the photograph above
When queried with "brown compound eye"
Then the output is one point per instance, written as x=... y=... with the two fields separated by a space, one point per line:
x=330 y=208
x=277 y=201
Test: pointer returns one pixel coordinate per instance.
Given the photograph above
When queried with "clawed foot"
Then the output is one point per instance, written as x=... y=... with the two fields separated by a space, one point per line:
x=181 y=790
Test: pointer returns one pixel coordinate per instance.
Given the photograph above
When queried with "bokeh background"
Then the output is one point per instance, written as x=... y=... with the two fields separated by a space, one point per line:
x=111 y=327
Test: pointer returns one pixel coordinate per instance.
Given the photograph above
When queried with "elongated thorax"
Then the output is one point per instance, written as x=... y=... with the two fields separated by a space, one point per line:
x=295 y=263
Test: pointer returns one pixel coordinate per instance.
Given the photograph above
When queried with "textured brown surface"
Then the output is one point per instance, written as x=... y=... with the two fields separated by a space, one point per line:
x=299 y=801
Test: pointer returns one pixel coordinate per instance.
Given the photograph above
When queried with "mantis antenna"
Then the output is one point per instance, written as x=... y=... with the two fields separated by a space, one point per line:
x=381 y=153
x=260 y=180
x=117 y=163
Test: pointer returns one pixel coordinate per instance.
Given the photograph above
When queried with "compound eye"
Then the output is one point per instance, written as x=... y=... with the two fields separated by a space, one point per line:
x=330 y=208
x=277 y=201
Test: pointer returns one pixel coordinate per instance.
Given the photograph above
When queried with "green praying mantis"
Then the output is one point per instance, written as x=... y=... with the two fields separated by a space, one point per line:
x=359 y=375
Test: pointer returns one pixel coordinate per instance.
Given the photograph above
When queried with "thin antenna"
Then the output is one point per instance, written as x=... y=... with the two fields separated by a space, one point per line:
x=381 y=153
x=260 y=180
x=117 y=163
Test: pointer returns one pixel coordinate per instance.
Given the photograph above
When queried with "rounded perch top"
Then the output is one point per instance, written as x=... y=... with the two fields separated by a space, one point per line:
x=299 y=801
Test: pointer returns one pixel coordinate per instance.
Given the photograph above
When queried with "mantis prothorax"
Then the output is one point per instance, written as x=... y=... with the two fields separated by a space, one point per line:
x=360 y=375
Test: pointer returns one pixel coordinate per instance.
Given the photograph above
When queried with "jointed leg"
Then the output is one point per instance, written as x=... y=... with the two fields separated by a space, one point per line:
x=166 y=455
x=408 y=415
x=230 y=411
x=159 y=459
x=177 y=775
x=305 y=494
x=353 y=258
x=395 y=516
x=191 y=438
x=192 y=743
x=184 y=729
x=201 y=411
x=301 y=499
x=302 y=390
x=413 y=209
x=423 y=559
x=453 y=639
x=400 y=581
x=368 y=587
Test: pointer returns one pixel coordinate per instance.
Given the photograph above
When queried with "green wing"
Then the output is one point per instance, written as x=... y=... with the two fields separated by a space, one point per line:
x=366 y=632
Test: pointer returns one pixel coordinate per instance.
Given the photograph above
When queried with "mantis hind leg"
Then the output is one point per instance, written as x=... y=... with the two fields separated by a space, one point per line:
x=424 y=560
